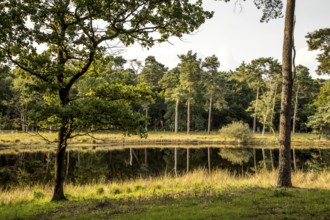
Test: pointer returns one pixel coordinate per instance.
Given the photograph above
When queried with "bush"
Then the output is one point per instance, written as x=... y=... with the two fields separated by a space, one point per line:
x=237 y=130
x=38 y=194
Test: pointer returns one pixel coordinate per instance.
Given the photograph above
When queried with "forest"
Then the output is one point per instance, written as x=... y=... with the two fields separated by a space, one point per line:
x=167 y=98
x=209 y=140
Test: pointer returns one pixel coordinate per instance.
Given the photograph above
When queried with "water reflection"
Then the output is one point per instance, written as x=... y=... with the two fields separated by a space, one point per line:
x=107 y=164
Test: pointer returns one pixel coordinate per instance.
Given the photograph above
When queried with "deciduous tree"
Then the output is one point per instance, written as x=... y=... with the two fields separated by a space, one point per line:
x=75 y=33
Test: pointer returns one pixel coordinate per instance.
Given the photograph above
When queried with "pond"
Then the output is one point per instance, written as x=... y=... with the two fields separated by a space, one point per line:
x=121 y=163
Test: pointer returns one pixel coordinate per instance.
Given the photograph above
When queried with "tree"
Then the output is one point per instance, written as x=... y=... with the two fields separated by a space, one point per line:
x=214 y=86
x=303 y=87
x=253 y=76
x=320 y=40
x=151 y=74
x=77 y=32
x=273 y=9
x=172 y=92
x=284 y=178
x=6 y=94
x=321 y=119
x=190 y=73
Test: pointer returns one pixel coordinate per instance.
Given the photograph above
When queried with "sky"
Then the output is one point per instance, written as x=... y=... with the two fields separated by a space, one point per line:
x=236 y=35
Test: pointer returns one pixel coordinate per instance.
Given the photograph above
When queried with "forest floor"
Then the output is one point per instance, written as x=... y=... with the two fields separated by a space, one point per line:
x=196 y=195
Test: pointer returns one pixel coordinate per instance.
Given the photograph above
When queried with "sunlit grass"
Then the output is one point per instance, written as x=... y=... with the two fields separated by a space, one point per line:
x=198 y=182
x=33 y=139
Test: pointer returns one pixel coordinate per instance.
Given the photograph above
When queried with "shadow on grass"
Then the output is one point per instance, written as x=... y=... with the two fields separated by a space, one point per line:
x=247 y=203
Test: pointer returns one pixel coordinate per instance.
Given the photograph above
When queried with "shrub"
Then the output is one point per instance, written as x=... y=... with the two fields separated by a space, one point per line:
x=237 y=130
x=100 y=190
x=38 y=194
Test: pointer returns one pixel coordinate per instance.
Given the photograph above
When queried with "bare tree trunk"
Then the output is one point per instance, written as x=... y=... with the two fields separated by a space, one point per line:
x=130 y=156
x=272 y=159
x=264 y=158
x=294 y=159
x=255 y=112
x=67 y=162
x=209 y=158
x=210 y=115
x=295 y=111
x=188 y=114
x=284 y=178
x=147 y=115
x=176 y=162
x=188 y=159
x=274 y=102
x=146 y=156
x=255 y=159
x=176 y=115
x=59 y=165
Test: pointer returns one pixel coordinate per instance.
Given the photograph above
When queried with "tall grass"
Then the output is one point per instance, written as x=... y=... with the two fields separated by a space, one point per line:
x=198 y=182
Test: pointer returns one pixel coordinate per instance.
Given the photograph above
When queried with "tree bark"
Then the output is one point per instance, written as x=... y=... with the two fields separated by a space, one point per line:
x=294 y=159
x=188 y=113
x=188 y=159
x=295 y=111
x=264 y=158
x=209 y=158
x=58 y=194
x=255 y=112
x=255 y=159
x=284 y=178
x=176 y=115
x=147 y=115
x=210 y=115
x=176 y=162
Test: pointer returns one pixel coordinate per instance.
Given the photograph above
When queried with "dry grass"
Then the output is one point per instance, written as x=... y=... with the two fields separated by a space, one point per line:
x=198 y=182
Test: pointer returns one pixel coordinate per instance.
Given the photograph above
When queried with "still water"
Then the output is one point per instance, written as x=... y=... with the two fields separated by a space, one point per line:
x=106 y=164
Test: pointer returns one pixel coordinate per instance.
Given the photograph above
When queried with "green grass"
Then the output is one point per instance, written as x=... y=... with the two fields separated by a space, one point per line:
x=248 y=203
x=21 y=142
x=196 y=195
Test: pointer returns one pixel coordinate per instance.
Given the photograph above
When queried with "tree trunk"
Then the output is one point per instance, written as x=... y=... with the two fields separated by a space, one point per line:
x=59 y=164
x=188 y=114
x=210 y=115
x=264 y=158
x=209 y=158
x=274 y=102
x=176 y=162
x=176 y=115
x=147 y=114
x=294 y=159
x=272 y=159
x=255 y=159
x=130 y=156
x=295 y=111
x=284 y=178
x=67 y=163
x=255 y=112
x=188 y=159
x=146 y=156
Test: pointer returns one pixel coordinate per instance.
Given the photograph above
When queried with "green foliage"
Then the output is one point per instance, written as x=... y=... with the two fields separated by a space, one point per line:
x=320 y=40
x=237 y=130
x=236 y=156
x=320 y=121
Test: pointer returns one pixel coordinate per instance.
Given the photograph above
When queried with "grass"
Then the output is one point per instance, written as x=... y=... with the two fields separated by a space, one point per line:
x=196 y=195
x=20 y=142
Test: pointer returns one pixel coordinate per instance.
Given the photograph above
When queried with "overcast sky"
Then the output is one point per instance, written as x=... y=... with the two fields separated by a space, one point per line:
x=235 y=36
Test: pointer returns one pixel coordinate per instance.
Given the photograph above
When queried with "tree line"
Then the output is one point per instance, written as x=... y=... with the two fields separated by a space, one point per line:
x=194 y=96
